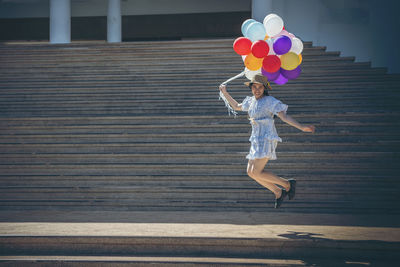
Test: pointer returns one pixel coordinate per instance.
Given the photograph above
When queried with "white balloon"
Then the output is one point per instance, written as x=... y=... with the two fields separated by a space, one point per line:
x=251 y=73
x=270 y=43
x=273 y=25
x=268 y=16
x=297 y=46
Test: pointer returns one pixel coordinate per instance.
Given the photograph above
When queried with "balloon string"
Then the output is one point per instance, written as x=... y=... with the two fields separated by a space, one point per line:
x=234 y=78
x=230 y=109
x=221 y=95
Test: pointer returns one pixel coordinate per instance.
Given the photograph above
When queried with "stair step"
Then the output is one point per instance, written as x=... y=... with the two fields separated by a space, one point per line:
x=265 y=205
x=382 y=158
x=185 y=129
x=334 y=137
x=339 y=118
x=310 y=68
x=188 y=194
x=285 y=148
x=145 y=101
x=284 y=169
x=106 y=261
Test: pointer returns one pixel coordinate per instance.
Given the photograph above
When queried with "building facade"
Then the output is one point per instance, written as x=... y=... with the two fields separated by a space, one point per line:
x=366 y=29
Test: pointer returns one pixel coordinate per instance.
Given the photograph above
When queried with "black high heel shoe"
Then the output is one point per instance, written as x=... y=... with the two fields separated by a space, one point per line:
x=292 y=190
x=278 y=201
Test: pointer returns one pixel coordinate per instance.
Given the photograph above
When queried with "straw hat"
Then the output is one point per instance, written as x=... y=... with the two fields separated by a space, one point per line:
x=261 y=79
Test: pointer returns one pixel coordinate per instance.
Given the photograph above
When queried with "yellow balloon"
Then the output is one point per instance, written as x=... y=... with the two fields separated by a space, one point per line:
x=253 y=63
x=300 y=59
x=266 y=37
x=290 y=61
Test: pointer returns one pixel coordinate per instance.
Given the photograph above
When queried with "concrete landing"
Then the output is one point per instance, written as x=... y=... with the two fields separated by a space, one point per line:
x=206 y=234
x=185 y=230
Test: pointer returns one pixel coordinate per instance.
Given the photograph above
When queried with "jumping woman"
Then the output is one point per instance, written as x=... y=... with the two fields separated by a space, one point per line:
x=261 y=108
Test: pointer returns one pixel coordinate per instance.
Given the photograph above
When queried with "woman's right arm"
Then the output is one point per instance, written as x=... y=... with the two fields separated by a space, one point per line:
x=234 y=104
x=289 y=120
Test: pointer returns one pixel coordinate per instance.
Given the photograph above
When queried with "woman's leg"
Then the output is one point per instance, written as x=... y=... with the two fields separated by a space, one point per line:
x=255 y=169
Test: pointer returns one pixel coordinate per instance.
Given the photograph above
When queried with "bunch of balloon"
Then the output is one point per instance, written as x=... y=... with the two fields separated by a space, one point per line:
x=269 y=49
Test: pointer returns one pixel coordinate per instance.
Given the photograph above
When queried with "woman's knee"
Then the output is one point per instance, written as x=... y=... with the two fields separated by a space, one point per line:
x=253 y=173
x=256 y=167
x=250 y=173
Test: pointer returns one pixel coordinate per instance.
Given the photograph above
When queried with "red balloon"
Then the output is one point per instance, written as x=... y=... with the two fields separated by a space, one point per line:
x=260 y=49
x=271 y=63
x=242 y=46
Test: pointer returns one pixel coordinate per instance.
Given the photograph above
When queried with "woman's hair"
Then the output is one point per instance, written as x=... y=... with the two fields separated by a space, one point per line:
x=265 y=89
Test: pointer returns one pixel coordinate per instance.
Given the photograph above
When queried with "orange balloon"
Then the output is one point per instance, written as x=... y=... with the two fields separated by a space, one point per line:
x=253 y=63
x=300 y=58
x=266 y=37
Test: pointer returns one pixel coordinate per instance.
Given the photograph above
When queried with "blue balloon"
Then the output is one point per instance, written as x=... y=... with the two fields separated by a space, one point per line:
x=245 y=26
x=256 y=31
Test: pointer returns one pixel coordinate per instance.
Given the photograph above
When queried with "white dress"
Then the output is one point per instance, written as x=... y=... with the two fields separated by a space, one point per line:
x=264 y=137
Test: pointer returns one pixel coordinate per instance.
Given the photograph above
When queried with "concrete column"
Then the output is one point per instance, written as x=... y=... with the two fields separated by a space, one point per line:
x=114 y=21
x=260 y=8
x=60 y=21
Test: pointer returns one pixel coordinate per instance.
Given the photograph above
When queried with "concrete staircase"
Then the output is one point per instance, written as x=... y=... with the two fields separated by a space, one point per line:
x=94 y=128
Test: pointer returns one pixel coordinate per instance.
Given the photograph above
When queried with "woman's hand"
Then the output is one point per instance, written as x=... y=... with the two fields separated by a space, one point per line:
x=308 y=128
x=222 y=88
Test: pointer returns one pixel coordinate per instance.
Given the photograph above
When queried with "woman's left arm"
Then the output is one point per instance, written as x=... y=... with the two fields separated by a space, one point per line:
x=289 y=120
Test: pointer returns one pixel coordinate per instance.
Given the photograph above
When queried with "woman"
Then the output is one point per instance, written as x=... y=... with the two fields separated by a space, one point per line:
x=261 y=109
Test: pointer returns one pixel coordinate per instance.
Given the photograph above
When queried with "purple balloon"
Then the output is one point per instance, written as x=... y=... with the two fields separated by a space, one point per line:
x=282 y=45
x=281 y=80
x=270 y=75
x=291 y=74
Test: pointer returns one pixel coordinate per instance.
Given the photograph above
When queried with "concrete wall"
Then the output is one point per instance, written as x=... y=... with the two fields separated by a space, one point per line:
x=366 y=29
x=94 y=8
x=142 y=19
x=24 y=9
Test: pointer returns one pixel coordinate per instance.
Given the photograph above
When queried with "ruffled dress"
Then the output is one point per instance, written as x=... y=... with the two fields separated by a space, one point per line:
x=264 y=137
